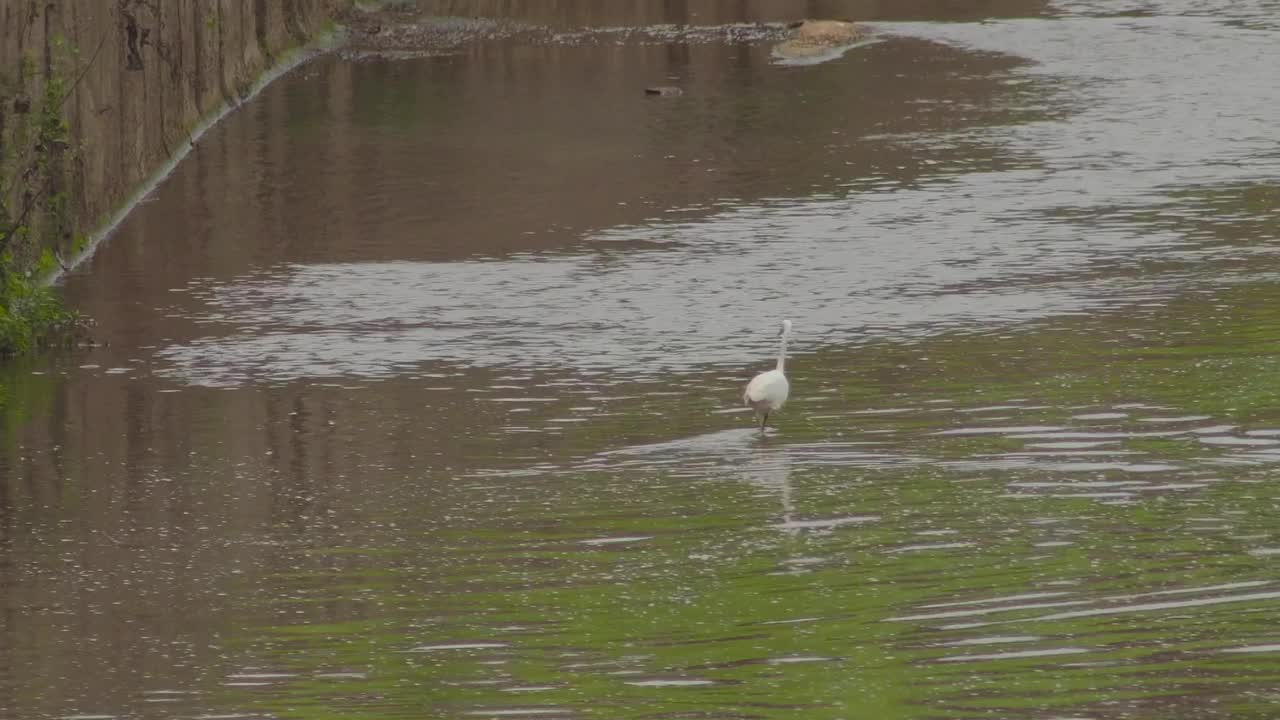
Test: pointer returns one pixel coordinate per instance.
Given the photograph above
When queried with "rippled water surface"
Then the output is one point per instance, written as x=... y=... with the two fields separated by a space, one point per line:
x=419 y=388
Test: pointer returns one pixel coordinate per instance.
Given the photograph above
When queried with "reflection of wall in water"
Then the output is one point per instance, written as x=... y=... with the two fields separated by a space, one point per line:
x=480 y=153
x=704 y=12
x=123 y=508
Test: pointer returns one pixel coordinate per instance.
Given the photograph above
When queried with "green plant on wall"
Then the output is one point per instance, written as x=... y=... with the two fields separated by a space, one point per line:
x=35 y=216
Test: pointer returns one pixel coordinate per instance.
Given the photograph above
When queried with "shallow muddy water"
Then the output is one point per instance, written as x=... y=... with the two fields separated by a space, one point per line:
x=420 y=388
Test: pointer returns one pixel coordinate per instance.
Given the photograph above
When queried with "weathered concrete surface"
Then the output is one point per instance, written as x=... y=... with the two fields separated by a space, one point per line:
x=141 y=74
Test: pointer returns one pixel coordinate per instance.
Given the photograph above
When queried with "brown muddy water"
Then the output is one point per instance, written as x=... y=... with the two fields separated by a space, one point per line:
x=420 y=391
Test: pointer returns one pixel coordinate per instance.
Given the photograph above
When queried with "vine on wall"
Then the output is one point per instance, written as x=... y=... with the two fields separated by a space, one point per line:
x=35 y=210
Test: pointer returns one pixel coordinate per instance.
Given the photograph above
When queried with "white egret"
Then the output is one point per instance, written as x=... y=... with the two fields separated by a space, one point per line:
x=768 y=391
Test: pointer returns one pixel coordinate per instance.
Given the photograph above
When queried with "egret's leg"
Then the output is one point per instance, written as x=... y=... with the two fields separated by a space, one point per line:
x=764 y=420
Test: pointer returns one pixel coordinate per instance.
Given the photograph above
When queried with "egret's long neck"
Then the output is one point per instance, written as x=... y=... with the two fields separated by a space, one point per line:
x=782 y=353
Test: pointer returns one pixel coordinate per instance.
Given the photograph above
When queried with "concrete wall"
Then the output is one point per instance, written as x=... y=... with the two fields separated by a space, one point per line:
x=141 y=74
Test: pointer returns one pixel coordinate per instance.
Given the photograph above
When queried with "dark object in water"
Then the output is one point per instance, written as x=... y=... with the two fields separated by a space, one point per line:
x=663 y=91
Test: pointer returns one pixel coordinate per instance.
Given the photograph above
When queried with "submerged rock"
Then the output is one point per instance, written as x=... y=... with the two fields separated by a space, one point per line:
x=830 y=32
x=663 y=90
x=813 y=38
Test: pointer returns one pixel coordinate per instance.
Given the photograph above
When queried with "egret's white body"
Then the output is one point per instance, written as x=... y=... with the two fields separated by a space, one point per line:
x=768 y=391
